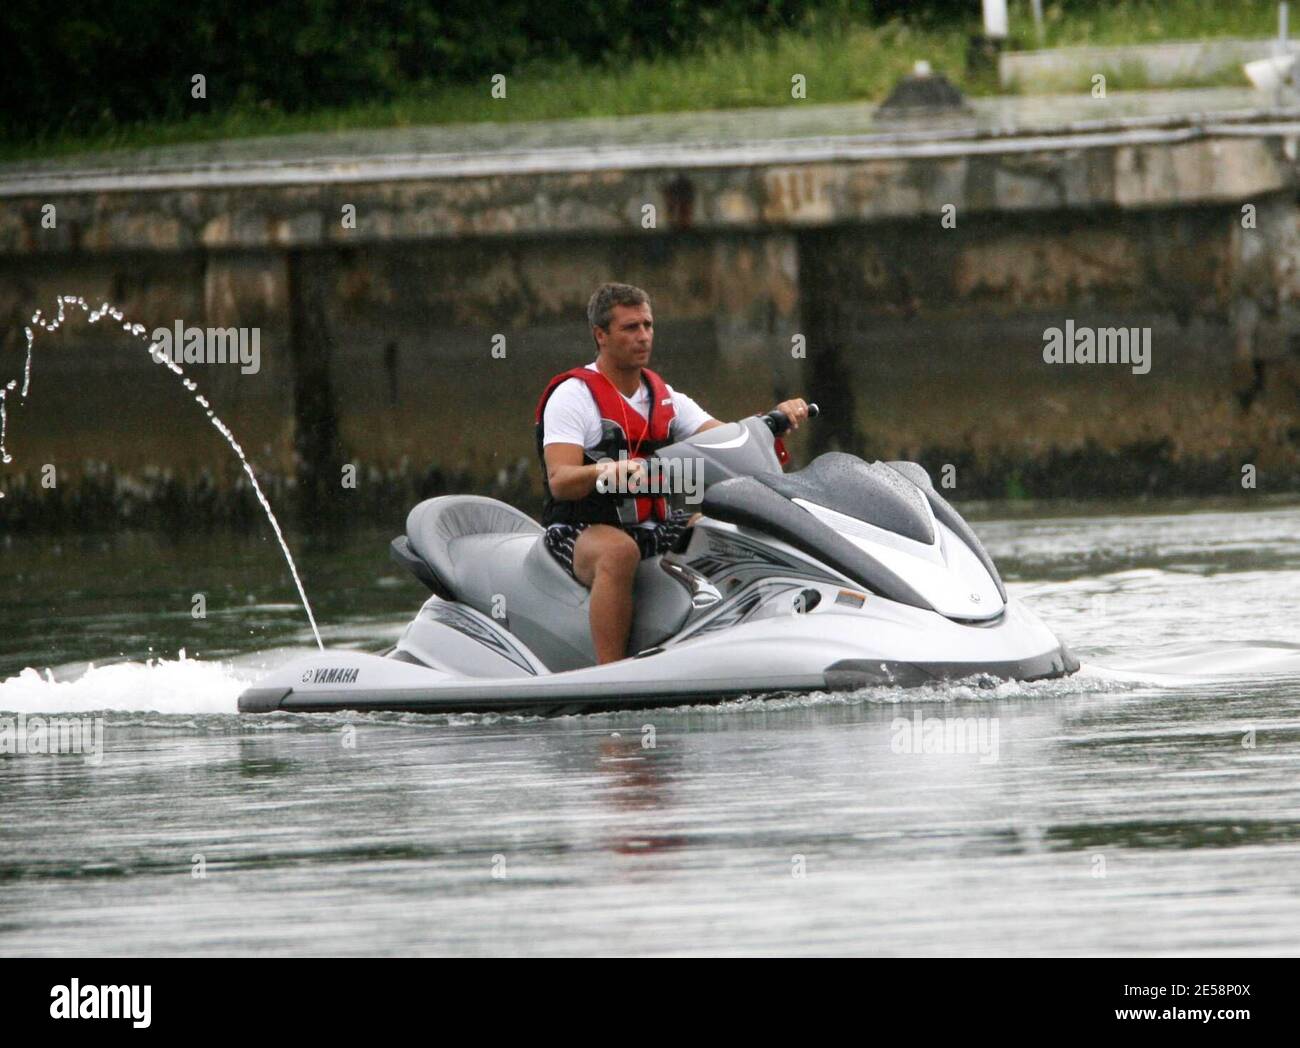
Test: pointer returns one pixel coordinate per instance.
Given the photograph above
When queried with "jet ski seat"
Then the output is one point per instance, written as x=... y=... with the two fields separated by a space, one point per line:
x=441 y=533
x=490 y=556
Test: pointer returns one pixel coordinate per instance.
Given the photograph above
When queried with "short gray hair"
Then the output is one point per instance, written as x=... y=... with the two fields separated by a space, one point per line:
x=600 y=307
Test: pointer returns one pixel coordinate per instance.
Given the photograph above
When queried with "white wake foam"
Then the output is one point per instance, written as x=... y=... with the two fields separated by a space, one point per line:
x=1186 y=663
x=182 y=685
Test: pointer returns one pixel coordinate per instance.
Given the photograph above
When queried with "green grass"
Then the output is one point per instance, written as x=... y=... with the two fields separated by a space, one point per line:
x=1144 y=22
x=842 y=63
x=857 y=62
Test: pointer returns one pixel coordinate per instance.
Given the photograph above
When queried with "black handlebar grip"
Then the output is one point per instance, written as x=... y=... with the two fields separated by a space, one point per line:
x=779 y=423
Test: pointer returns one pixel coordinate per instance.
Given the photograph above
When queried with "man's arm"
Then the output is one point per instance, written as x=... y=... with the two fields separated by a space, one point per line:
x=796 y=410
x=690 y=414
x=569 y=415
x=570 y=479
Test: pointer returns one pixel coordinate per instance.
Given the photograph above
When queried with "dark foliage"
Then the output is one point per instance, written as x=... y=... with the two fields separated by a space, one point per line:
x=85 y=65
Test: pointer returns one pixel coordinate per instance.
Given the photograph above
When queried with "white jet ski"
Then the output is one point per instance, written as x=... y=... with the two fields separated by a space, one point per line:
x=840 y=575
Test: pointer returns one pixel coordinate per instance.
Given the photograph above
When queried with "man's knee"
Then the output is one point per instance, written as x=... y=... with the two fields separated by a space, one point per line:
x=619 y=556
x=603 y=550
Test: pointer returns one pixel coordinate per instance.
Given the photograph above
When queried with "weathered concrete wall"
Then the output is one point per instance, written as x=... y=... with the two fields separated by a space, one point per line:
x=923 y=337
x=946 y=344
x=406 y=334
x=719 y=191
x=97 y=394
x=416 y=329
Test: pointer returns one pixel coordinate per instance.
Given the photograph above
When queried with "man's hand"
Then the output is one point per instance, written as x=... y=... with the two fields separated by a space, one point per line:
x=795 y=410
x=626 y=475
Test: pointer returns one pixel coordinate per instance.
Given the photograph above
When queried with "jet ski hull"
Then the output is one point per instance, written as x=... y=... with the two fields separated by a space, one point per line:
x=830 y=649
x=842 y=575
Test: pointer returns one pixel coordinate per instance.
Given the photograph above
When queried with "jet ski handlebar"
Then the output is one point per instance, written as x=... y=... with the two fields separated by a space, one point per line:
x=779 y=423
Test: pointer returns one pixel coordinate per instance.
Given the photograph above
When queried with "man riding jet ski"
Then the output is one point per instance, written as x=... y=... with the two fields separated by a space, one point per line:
x=836 y=576
x=596 y=427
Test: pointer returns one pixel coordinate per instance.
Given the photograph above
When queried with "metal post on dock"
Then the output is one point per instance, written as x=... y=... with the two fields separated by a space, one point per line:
x=995 y=19
x=1039 y=32
x=1282 y=48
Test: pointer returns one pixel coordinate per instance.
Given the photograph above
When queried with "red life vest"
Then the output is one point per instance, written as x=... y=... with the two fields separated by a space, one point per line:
x=622 y=430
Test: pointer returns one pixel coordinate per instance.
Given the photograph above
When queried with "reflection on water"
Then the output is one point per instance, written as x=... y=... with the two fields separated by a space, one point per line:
x=1150 y=804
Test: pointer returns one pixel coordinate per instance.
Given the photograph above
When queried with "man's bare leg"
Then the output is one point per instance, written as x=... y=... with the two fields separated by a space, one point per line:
x=605 y=560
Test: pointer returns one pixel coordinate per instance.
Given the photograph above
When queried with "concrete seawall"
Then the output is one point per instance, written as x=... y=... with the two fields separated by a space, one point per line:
x=903 y=275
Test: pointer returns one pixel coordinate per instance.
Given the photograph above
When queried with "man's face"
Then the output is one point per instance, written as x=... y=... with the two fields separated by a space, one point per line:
x=630 y=338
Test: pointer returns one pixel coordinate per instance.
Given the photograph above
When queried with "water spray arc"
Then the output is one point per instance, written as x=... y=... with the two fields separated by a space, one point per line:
x=94 y=316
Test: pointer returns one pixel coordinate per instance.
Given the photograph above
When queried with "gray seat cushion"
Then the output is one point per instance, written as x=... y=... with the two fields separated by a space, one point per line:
x=491 y=557
x=433 y=525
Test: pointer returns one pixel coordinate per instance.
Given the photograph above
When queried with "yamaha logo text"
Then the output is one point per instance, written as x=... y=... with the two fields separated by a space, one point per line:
x=334 y=675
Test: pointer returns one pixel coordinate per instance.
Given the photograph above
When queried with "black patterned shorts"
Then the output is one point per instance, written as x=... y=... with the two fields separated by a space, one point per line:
x=662 y=538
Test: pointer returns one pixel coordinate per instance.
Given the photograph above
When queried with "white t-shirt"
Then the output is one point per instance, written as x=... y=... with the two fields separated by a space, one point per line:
x=571 y=415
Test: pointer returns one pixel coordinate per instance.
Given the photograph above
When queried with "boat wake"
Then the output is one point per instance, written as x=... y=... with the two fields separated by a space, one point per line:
x=184 y=686
x=170 y=686
x=1191 y=663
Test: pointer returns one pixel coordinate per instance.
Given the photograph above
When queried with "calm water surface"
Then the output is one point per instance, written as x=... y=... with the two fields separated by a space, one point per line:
x=1149 y=805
